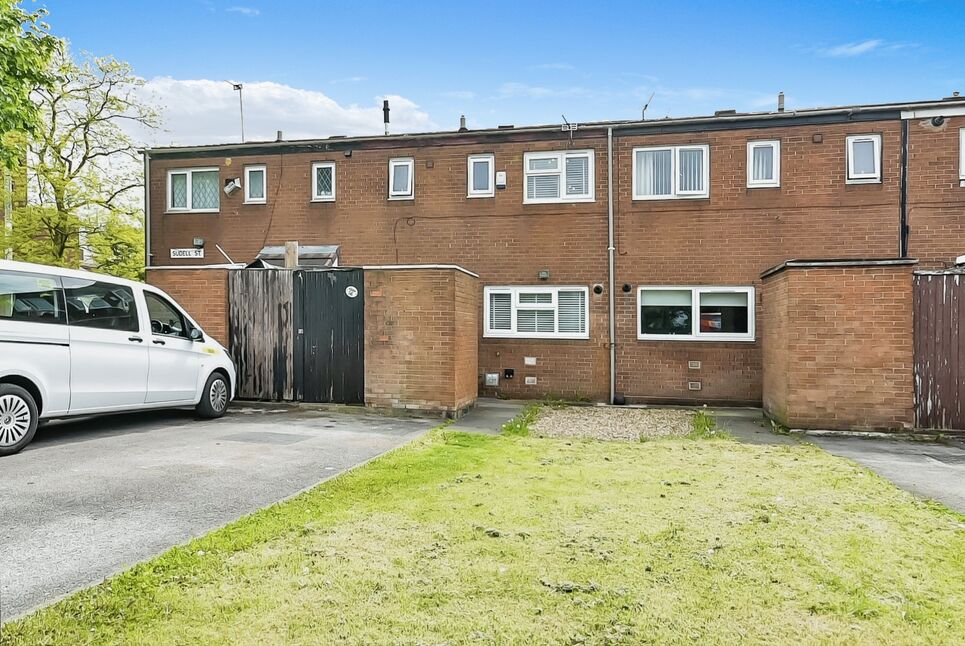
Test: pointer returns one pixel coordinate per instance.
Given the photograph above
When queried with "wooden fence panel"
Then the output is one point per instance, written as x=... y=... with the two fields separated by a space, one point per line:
x=939 y=299
x=260 y=334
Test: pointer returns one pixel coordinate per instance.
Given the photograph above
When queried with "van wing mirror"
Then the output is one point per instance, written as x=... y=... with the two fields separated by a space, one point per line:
x=195 y=334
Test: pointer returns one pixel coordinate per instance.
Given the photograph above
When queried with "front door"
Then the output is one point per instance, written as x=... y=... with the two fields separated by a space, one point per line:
x=174 y=358
x=108 y=349
x=329 y=314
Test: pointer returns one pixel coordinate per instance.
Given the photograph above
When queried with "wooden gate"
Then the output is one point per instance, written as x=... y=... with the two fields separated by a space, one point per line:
x=330 y=344
x=298 y=335
x=939 y=355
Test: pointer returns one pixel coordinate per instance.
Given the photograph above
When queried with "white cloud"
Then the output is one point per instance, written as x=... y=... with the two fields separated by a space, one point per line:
x=848 y=50
x=204 y=111
x=515 y=89
x=245 y=11
x=350 y=79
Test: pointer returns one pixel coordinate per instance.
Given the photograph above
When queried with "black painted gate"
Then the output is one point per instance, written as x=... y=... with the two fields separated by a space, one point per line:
x=329 y=357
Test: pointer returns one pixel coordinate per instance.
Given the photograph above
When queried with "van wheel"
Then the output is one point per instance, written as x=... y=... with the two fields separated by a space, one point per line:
x=214 y=399
x=18 y=419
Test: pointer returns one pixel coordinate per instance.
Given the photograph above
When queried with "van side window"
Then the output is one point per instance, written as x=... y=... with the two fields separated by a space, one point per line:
x=31 y=298
x=165 y=318
x=105 y=306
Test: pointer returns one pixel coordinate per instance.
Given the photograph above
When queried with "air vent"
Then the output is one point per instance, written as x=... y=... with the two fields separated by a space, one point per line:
x=693 y=365
x=508 y=127
x=721 y=113
x=530 y=381
x=693 y=385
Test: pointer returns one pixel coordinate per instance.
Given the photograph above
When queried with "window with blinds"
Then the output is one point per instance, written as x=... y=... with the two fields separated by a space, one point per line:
x=763 y=164
x=558 y=177
x=696 y=313
x=671 y=172
x=537 y=312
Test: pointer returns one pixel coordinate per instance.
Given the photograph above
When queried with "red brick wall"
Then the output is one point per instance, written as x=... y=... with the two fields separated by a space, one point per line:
x=728 y=239
x=842 y=338
x=936 y=200
x=420 y=339
x=203 y=293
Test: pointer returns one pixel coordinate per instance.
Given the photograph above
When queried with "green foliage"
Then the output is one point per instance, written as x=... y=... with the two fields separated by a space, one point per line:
x=25 y=53
x=83 y=170
x=705 y=427
x=521 y=425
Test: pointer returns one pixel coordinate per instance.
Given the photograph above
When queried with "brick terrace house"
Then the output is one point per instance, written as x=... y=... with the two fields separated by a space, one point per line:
x=631 y=246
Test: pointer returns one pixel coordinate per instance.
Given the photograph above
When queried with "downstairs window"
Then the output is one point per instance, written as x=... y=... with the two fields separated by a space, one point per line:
x=537 y=312
x=696 y=313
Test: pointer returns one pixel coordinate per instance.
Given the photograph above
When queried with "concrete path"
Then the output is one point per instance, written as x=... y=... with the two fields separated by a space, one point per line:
x=89 y=498
x=488 y=416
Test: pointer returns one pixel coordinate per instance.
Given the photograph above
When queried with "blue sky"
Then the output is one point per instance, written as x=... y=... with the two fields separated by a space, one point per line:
x=320 y=68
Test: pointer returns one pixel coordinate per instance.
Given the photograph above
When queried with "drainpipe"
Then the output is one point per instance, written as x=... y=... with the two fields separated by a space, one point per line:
x=147 y=208
x=903 y=194
x=611 y=249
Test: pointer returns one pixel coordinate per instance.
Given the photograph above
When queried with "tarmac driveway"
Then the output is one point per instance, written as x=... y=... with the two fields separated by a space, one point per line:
x=89 y=498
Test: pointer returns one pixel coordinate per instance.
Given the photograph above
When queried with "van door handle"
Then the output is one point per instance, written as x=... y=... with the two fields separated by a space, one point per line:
x=158 y=342
x=136 y=339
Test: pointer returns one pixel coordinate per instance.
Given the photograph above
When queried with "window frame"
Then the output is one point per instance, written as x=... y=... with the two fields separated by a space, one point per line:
x=695 y=333
x=850 y=176
x=402 y=161
x=561 y=157
x=961 y=156
x=185 y=323
x=60 y=306
x=675 y=193
x=514 y=291
x=315 y=196
x=470 y=161
x=264 y=170
x=775 y=145
x=68 y=285
x=189 y=172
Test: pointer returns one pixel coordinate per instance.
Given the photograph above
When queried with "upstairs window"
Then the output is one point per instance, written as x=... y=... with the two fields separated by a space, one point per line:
x=961 y=156
x=696 y=313
x=400 y=178
x=864 y=159
x=537 y=312
x=323 y=182
x=671 y=172
x=256 y=187
x=481 y=176
x=194 y=190
x=558 y=177
x=763 y=164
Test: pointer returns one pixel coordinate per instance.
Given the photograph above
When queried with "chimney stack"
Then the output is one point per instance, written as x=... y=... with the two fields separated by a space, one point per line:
x=780 y=102
x=279 y=135
x=385 y=115
x=462 y=123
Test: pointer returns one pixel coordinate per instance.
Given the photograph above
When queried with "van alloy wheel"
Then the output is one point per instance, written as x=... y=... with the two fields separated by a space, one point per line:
x=218 y=395
x=14 y=419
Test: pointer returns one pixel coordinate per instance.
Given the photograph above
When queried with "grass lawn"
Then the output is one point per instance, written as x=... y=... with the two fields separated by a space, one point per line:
x=473 y=539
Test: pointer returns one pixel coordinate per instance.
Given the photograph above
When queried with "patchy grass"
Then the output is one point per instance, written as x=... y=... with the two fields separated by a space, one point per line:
x=705 y=428
x=463 y=538
x=522 y=424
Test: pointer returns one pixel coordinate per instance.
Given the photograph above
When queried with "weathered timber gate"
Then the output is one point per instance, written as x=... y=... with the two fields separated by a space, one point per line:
x=329 y=322
x=298 y=335
x=939 y=355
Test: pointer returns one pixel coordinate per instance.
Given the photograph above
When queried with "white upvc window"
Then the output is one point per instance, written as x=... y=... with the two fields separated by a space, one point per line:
x=864 y=159
x=555 y=177
x=193 y=190
x=695 y=313
x=537 y=312
x=763 y=164
x=961 y=157
x=482 y=175
x=256 y=184
x=401 y=180
x=671 y=172
x=323 y=182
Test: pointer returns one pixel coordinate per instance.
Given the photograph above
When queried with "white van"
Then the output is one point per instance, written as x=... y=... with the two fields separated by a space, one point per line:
x=78 y=343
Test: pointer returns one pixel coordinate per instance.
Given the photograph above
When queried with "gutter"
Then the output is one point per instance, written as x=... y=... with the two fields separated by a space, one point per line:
x=611 y=249
x=147 y=208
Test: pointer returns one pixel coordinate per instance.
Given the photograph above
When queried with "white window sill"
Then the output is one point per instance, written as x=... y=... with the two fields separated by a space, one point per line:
x=190 y=211
x=537 y=336
x=471 y=196
x=864 y=180
x=763 y=186
x=322 y=199
x=729 y=338
x=401 y=198
x=654 y=198
x=255 y=202
x=572 y=200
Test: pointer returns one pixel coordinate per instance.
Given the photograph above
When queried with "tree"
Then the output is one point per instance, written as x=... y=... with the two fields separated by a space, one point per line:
x=82 y=169
x=25 y=53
